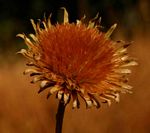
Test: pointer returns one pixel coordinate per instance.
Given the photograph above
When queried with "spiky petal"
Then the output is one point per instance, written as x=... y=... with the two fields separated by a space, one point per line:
x=77 y=59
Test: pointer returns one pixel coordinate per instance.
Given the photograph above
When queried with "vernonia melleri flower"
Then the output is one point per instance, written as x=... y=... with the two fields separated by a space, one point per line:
x=77 y=59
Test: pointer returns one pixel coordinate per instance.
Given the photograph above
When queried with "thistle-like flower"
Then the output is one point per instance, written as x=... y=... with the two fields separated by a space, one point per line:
x=77 y=59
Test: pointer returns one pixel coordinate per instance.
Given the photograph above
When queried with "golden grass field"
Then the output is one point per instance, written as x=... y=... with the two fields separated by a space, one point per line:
x=23 y=110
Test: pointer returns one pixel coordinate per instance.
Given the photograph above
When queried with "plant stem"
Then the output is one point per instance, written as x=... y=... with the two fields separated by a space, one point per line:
x=60 y=116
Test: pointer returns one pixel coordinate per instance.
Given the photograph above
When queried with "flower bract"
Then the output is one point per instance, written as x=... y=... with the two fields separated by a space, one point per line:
x=77 y=59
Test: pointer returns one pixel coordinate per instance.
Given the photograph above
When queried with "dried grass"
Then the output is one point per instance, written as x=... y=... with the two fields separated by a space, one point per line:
x=22 y=110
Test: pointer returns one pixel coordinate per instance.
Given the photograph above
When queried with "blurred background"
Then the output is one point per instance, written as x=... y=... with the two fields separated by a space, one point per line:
x=22 y=110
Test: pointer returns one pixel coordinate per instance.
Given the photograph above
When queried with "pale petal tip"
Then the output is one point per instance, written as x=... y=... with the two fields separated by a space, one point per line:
x=110 y=31
x=66 y=16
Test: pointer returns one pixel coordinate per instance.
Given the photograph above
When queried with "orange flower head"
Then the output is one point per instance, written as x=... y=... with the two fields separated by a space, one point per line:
x=77 y=59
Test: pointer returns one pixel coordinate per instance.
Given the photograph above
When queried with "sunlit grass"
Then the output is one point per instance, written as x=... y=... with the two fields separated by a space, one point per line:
x=22 y=110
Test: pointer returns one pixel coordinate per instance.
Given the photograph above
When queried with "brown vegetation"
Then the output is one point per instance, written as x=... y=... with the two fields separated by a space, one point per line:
x=22 y=110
